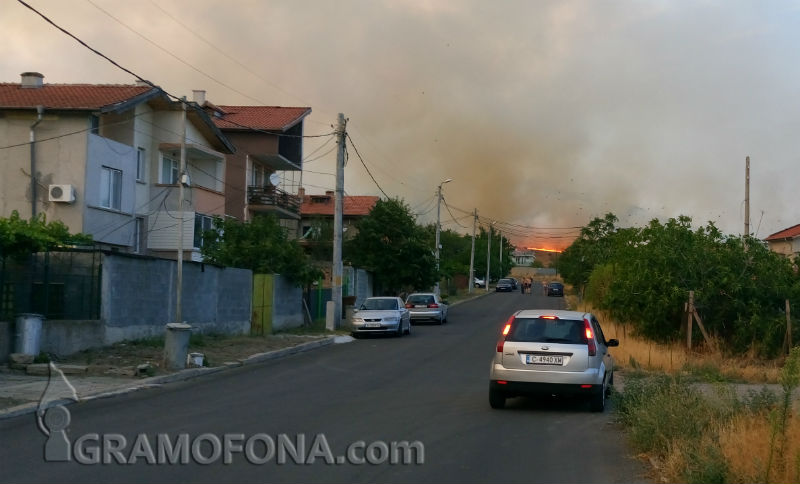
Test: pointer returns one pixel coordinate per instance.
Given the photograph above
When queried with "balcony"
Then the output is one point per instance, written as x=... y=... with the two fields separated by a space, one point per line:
x=275 y=200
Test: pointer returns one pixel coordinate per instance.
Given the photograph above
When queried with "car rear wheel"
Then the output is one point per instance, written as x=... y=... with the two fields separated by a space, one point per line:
x=598 y=401
x=399 y=332
x=496 y=399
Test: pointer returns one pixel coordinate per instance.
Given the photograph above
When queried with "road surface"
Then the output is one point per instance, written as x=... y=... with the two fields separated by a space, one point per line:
x=428 y=390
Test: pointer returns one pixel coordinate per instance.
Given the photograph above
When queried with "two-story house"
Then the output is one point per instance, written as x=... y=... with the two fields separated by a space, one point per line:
x=105 y=160
x=265 y=173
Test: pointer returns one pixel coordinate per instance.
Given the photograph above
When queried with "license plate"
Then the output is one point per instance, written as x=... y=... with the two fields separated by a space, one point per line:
x=372 y=325
x=544 y=359
x=420 y=306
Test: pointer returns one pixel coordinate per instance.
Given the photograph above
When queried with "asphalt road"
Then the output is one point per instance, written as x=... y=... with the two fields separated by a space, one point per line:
x=430 y=388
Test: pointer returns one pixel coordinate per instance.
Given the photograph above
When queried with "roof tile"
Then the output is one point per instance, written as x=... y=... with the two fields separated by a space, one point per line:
x=68 y=96
x=270 y=118
x=789 y=233
x=324 y=204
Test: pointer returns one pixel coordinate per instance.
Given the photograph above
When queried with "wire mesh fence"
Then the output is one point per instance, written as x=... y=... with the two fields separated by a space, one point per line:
x=58 y=285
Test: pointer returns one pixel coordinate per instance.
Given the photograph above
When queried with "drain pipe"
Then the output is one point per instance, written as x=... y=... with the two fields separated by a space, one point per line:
x=39 y=112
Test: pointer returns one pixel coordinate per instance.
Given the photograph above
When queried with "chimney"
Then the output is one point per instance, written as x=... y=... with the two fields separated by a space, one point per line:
x=199 y=96
x=141 y=83
x=31 y=80
x=329 y=193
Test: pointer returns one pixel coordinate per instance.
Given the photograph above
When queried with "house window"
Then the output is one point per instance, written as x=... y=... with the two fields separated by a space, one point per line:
x=256 y=178
x=111 y=188
x=201 y=224
x=94 y=124
x=169 y=170
x=140 y=164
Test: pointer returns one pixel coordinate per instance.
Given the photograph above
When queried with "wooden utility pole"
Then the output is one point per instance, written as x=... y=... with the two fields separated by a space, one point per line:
x=692 y=313
x=181 y=176
x=472 y=253
x=488 y=255
x=747 y=197
x=788 y=328
x=336 y=273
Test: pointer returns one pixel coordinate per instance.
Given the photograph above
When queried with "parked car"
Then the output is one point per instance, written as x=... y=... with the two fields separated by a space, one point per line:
x=378 y=315
x=504 y=285
x=555 y=289
x=427 y=306
x=546 y=352
x=514 y=283
x=478 y=282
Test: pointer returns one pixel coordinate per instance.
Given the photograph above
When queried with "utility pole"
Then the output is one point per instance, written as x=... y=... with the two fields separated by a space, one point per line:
x=336 y=287
x=472 y=254
x=488 y=254
x=438 y=230
x=181 y=175
x=501 y=252
x=747 y=197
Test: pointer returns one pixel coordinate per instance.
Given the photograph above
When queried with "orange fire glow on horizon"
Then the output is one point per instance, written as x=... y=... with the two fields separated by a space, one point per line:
x=545 y=250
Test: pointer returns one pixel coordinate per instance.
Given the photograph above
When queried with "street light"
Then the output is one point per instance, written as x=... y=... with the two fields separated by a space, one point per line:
x=438 y=229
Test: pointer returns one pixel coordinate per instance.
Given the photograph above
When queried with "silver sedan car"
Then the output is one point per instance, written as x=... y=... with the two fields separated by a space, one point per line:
x=382 y=315
x=427 y=306
x=546 y=352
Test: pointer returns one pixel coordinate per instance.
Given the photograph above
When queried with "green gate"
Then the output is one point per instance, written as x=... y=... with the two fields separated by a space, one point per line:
x=261 y=322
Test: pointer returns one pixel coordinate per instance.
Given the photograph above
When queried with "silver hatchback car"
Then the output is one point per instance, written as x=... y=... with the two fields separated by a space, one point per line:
x=546 y=352
x=427 y=306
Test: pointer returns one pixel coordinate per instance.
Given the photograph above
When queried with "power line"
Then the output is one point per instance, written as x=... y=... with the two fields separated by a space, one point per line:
x=230 y=57
x=365 y=166
x=151 y=84
x=453 y=216
x=163 y=49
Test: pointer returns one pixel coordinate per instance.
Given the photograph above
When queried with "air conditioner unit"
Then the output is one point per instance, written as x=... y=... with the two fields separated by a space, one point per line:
x=61 y=193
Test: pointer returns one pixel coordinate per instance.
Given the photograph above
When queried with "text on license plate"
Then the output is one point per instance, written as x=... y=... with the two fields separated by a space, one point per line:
x=544 y=359
x=372 y=325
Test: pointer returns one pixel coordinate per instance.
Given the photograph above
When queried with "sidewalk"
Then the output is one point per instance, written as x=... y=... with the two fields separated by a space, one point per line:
x=21 y=393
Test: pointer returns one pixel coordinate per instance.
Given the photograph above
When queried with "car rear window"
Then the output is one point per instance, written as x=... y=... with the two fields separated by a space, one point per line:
x=380 y=304
x=540 y=330
x=556 y=285
x=504 y=281
x=420 y=299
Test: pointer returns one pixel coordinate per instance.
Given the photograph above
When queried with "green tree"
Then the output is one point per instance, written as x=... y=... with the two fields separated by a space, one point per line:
x=642 y=276
x=260 y=245
x=19 y=237
x=391 y=245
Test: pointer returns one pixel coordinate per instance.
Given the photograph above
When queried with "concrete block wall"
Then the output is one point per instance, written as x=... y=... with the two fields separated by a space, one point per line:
x=143 y=293
x=287 y=304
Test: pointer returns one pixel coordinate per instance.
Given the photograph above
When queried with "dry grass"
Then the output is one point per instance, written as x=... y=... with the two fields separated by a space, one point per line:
x=673 y=358
x=745 y=443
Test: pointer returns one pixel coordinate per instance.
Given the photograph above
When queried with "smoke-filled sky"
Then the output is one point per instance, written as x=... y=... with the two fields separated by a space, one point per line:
x=545 y=113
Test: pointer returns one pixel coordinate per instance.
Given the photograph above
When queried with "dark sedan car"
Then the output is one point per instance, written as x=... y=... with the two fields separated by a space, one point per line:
x=555 y=289
x=504 y=285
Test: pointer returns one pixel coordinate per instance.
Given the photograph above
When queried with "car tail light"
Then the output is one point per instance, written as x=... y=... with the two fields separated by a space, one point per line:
x=502 y=341
x=590 y=337
x=434 y=305
x=549 y=317
x=409 y=305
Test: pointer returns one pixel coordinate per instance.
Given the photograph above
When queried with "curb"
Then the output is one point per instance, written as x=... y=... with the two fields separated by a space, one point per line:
x=182 y=375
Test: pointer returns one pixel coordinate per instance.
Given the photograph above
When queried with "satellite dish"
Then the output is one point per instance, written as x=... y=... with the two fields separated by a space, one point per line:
x=274 y=179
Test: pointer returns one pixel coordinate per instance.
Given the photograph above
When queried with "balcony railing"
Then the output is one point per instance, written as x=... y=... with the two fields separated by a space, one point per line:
x=275 y=197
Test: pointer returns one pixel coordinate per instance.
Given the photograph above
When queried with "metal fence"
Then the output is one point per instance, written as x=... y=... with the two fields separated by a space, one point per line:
x=58 y=285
